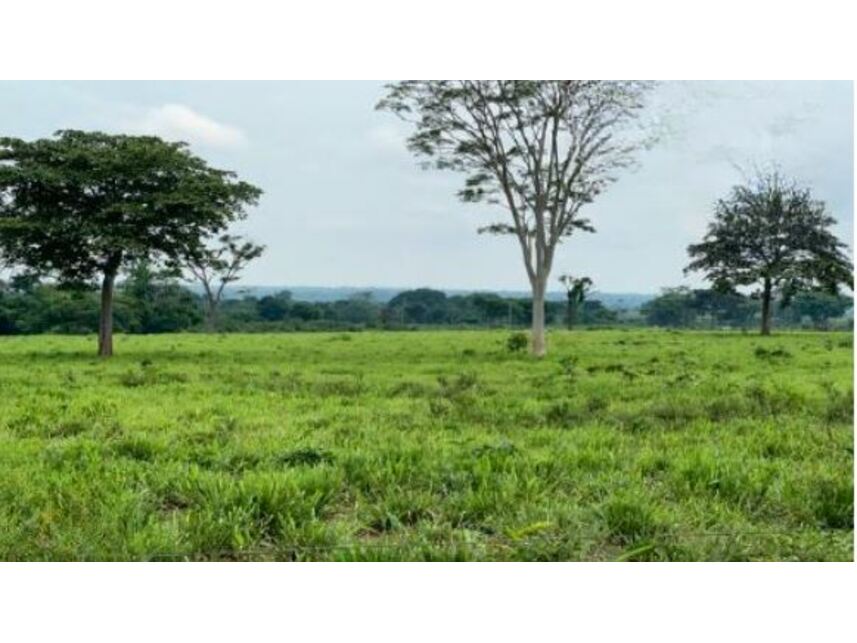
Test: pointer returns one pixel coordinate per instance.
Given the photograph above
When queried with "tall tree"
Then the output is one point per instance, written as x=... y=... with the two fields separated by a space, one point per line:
x=84 y=205
x=576 y=290
x=543 y=149
x=214 y=267
x=772 y=233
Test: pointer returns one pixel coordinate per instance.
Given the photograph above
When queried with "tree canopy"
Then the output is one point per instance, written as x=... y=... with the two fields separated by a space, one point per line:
x=81 y=205
x=773 y=233
x=543 y=149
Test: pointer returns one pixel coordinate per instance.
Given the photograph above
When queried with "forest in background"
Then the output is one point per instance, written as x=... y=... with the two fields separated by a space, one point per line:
x=149 y=302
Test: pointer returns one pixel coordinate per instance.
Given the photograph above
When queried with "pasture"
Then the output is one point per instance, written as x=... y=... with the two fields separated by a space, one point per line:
x=435 y=445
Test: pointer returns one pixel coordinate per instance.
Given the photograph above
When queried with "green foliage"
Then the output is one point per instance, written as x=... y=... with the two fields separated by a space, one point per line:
x=80 y=201
x=517 y=342
x=541 y=148
x=304 y=447
x=576 y=290
x=772 y=233
x=84 y=205
x=151 y=301
x=686 y=308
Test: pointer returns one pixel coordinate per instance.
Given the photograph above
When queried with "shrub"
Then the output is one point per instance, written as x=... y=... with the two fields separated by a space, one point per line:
x=517 y=342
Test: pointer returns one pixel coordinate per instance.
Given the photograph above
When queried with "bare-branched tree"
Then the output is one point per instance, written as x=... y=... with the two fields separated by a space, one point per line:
x=214 y=267
x=543 y=149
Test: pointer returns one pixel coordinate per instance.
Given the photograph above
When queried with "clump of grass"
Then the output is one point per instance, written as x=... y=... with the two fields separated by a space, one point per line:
x=340 y=387
x=633 y=422
x=674 y=411
x=727 y=406
x=503 y=448
x=408 y=388
x=305 y=456
x=440 y=407
x=137 y=448
x=617 y=367
x=68 y=428
x=772 y=400
x=653 y=464
x=833 y=503
x=771 y=353
x=630 y=520
x=596 y=403
x=564 y=414
x=457 y=387
x=148 y=376
x=568 y=367
x=256 y=511
x=839 y=404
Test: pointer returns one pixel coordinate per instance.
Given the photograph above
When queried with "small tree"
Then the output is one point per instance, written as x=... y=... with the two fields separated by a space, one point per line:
x=771 y=233
x=216 y=267
x=543 y=149
x=85 y=205
x=576 y=291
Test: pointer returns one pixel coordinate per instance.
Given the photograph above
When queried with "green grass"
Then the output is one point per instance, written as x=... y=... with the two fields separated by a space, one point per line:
x=620 y=445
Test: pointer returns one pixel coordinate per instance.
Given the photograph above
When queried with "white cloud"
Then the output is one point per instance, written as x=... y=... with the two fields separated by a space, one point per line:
x=179 y=122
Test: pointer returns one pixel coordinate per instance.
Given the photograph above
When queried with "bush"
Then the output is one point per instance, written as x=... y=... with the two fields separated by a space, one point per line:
x=517 y=342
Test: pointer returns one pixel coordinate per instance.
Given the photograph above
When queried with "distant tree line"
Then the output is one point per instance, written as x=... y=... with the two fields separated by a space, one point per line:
x=708 y=308
x=148 y=301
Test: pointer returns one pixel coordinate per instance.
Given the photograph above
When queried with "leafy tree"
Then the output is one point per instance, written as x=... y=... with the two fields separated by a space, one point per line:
x=305 y=311
x=419 y=306
x=275 y=307
x=819 y=307
x=672 y=308
x=685 y=307
x=595 y=312
x=357 y=309
x=576 y=291
x=544 y=149
x=155 y=303
x=214 y=267
x=84 y=205
x=771 y=232
x=492 y=308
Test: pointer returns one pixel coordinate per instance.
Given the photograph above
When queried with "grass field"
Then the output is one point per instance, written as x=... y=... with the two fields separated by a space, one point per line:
x=628 y=445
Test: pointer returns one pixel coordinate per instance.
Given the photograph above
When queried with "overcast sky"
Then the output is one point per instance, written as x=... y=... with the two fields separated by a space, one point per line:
x=346 y=205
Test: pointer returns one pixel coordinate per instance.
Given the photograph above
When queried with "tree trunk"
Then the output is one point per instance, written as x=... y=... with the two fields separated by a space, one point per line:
x=210 y=304
x=210 y=316
x=105 y=325
x=766 y=307
x=539 y=347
